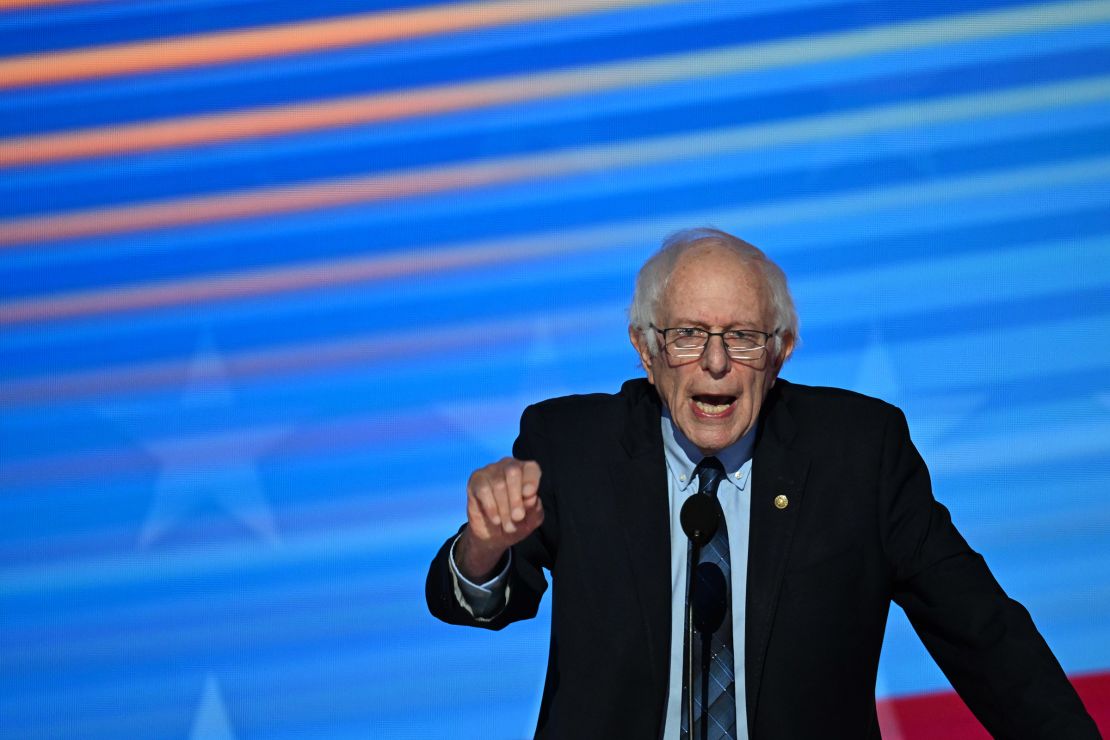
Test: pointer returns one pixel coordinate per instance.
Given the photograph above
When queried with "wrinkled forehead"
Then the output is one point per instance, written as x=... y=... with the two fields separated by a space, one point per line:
x=714 y=285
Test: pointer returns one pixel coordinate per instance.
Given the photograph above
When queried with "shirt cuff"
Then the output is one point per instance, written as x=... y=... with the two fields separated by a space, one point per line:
x=482 y=601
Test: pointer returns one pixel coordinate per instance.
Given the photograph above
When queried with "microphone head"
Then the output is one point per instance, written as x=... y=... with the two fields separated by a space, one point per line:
x=700 y=517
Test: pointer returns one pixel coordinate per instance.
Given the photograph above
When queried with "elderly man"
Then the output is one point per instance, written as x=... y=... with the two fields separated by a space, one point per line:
x=828 y=516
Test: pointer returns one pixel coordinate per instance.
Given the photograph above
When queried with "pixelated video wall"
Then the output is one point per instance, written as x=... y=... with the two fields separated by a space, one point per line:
x=275 y=276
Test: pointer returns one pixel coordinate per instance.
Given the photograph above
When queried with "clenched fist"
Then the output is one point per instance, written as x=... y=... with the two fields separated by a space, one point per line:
x=502 y=508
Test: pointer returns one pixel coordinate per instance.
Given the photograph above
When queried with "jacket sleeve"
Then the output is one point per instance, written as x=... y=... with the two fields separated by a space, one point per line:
x=983 y=641
x=526 y=580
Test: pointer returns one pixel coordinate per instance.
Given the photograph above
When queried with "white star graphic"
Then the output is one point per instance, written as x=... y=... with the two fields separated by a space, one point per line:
x=492 y=422
x=210 y=721
x=206 y=454
x=931 y=416
x=233 y=482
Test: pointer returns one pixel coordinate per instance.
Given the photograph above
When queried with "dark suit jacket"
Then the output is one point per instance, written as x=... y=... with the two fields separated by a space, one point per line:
x=861 y=529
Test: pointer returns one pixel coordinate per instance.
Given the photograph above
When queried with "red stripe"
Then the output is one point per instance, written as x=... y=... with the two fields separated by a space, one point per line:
x=944 y=715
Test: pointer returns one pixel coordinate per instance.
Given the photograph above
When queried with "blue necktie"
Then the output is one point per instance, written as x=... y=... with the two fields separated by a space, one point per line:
x=714 y=678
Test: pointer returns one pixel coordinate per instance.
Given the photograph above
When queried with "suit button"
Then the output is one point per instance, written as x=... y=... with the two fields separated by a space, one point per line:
x=781 y=502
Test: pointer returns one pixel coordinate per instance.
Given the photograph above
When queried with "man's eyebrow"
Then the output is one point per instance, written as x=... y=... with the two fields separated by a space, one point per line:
x=693 y=324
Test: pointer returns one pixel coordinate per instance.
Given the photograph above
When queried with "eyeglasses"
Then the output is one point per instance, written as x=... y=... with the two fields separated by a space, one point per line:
x=689 y=343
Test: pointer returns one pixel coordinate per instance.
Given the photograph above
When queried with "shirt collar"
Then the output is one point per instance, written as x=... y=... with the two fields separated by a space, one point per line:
x=683 y=455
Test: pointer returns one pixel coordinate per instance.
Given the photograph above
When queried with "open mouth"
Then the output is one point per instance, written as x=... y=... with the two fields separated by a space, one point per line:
x=712 y=405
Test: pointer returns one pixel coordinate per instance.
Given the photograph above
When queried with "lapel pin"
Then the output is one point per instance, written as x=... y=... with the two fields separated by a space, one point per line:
x=781 y=502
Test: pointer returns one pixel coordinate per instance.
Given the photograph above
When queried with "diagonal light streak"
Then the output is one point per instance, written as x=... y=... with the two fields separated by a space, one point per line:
x=222 y=47
x=313 y=357
x=578 y=160
x=27 y=4
x=440 y=99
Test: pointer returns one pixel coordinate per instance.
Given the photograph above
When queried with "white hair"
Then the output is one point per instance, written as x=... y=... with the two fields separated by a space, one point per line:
x=651 y=282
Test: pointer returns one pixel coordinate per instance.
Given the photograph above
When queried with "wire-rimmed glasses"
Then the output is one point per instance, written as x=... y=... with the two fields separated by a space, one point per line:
x=689 y=342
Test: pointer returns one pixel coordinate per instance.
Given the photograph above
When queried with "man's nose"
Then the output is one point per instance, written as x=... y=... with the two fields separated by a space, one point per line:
x=715 y=357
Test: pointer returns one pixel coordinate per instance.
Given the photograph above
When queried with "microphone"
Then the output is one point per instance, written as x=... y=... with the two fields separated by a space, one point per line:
x=700 y=516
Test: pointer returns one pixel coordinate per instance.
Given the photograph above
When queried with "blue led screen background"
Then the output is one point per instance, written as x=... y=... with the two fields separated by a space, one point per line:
x=276 y=276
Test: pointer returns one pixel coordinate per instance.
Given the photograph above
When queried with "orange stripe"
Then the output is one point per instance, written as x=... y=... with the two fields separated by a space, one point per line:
x=298 y=198
x=316 y=275
x=23 y=4
x=300 y=359
x=365 y=109
x=406 y=183
x=226 y=127
x=220 y=128
x=285 y=39
x=297 y=359
x=254 y=283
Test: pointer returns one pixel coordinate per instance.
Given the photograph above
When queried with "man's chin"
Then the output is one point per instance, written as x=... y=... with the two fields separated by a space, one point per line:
x=710 y=442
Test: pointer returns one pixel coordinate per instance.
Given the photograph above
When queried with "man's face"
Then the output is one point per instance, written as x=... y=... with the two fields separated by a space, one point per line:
x=714 y=400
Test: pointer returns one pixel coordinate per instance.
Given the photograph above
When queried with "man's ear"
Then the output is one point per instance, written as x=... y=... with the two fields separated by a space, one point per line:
x=784 y=354
x=642 y=349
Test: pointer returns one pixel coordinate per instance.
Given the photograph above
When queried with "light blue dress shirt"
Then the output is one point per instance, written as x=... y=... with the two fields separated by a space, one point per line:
x=484 y=601
x=734 y=493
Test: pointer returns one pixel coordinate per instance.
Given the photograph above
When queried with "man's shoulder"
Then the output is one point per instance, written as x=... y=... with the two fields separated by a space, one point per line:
x=829 y=406
x=631 y=392
x=826 y=394
x=591 y=424
x=636 y=394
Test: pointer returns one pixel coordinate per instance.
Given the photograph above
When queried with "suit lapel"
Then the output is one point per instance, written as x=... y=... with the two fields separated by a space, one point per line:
x=639 y=482
x=777 y=470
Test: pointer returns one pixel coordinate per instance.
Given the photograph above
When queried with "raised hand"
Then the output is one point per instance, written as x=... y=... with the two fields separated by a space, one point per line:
x=502 y=508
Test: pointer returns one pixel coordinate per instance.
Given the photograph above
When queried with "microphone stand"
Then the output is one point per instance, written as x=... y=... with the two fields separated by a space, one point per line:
x=692 y=553
x=700 y=517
